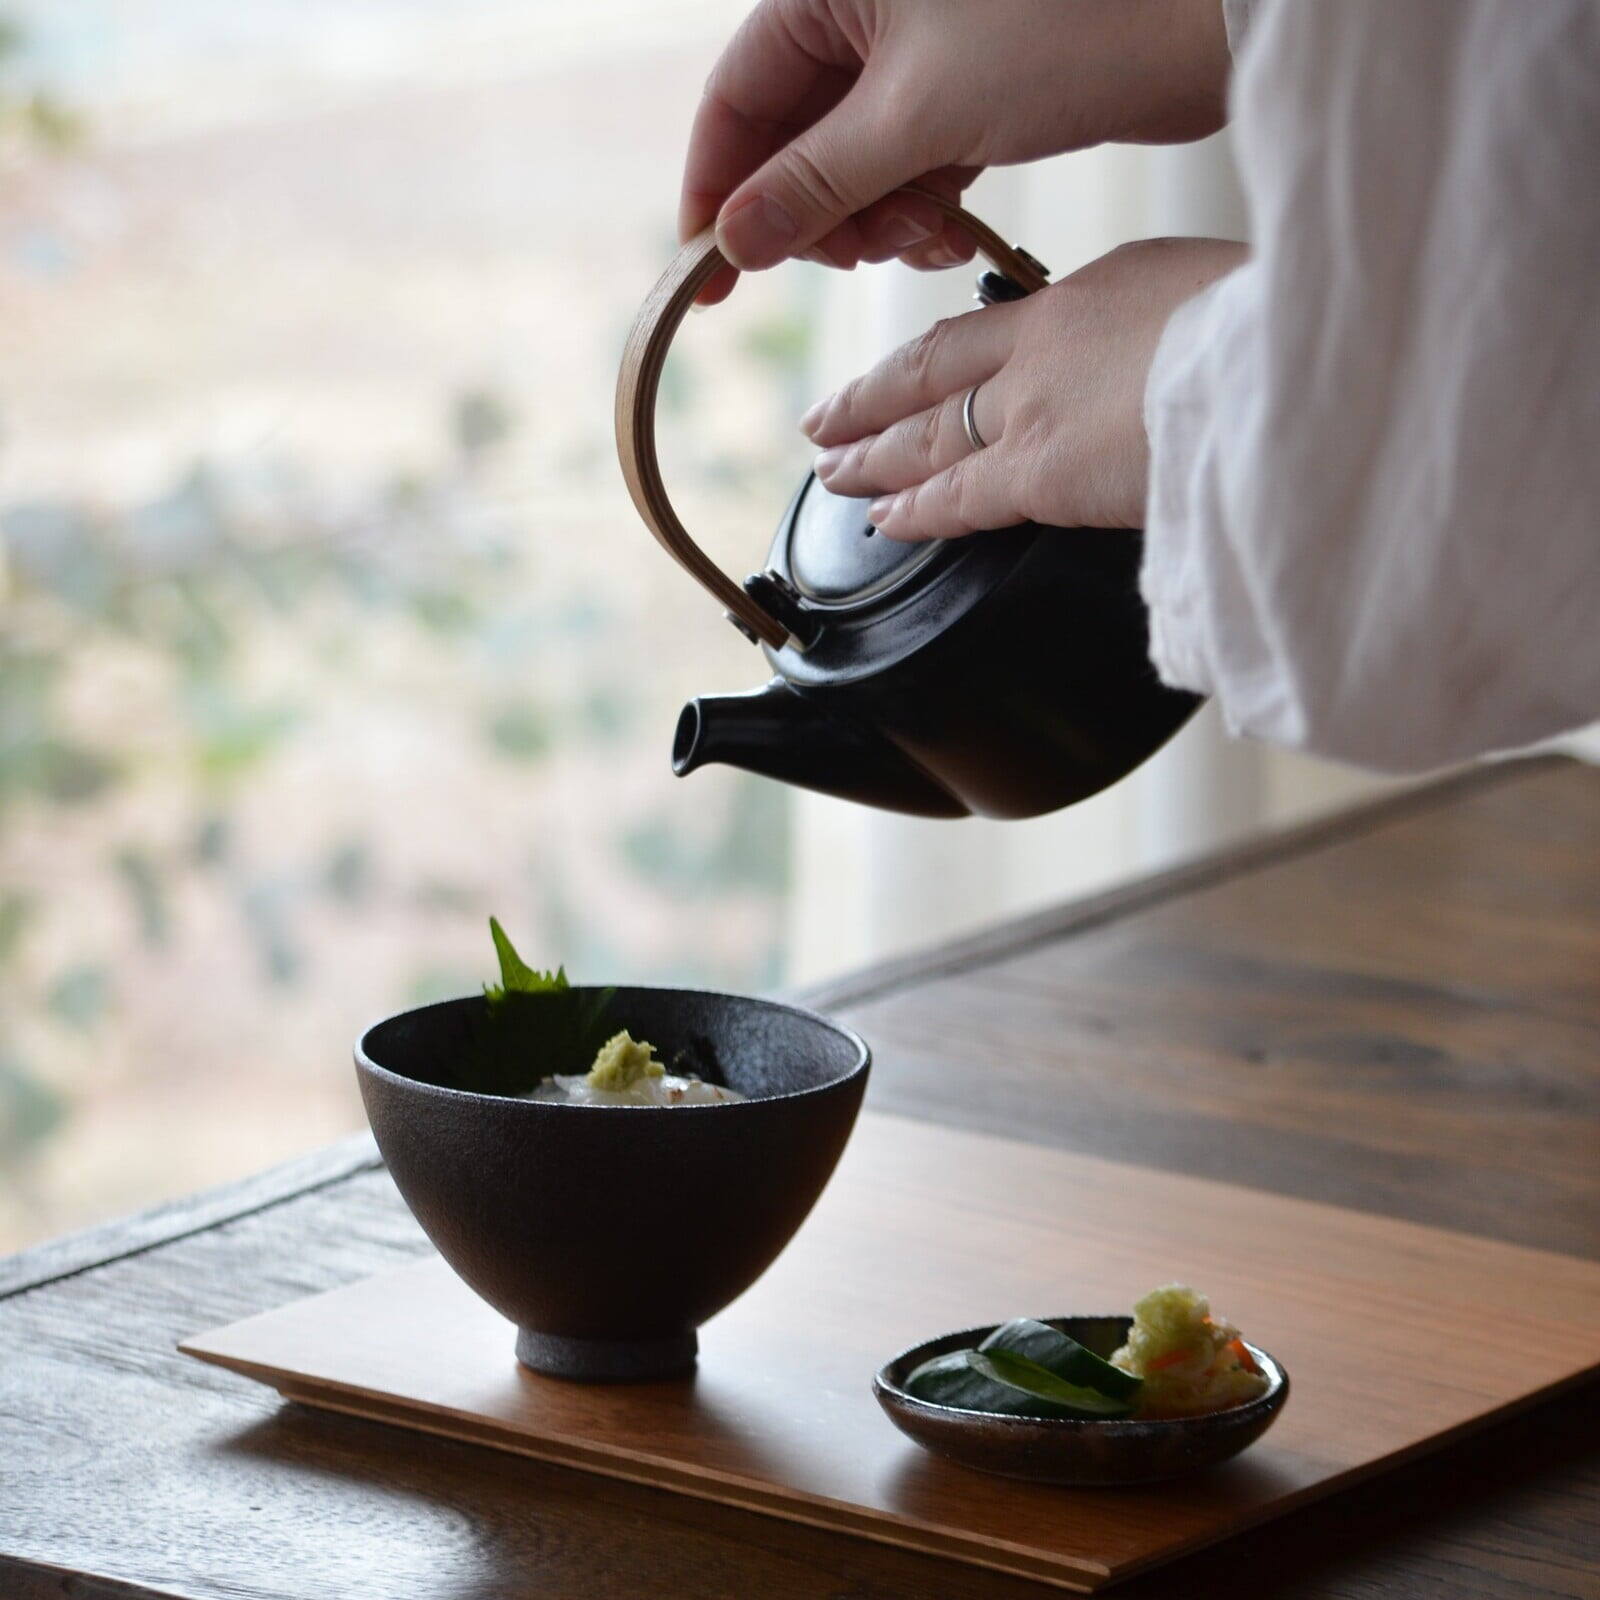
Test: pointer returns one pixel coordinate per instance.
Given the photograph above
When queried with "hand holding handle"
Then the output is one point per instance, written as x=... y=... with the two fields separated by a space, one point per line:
x=644 y=356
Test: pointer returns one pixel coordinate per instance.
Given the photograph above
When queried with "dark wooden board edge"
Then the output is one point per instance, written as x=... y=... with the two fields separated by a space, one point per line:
x=1016 y=935
x=36 y=1580
x=148 y=1230
x=1081 y=1577
x=1354 y=1477
x=881 y=1530
x=829 y=1516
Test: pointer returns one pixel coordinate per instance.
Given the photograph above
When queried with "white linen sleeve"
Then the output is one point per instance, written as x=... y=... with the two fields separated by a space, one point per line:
x=1374 y=516
x=1236 y=15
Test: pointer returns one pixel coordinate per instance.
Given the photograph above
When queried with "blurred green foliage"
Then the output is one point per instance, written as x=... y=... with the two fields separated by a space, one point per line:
x=520 y=729
x=30 y=114
x=80 y=996
x=482 y=420
x=184 y=583
x=739 y=854
x=146 y=883
x=30 y=1111
x=782 y=343
x=183 y=586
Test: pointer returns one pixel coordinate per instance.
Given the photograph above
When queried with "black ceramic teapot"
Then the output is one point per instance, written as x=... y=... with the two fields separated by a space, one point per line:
x=1004 y=674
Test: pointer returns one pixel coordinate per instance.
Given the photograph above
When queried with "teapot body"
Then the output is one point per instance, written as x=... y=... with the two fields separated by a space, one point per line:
x=1015 y=674
x=1004 y=675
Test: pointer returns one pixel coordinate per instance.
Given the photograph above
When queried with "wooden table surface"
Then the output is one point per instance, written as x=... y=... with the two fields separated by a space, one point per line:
x=1396 y=1010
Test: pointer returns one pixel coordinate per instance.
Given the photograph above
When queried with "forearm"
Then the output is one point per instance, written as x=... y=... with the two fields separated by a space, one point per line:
x=1180 y=55
x=1371 y=522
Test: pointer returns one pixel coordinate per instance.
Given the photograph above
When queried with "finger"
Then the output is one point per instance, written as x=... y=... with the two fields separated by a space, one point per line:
x=767 y=84
x=838 y=166
x=952 y=355
x=895 y=224
x=953 y=247
x=888 y=229
x=718 y=287
x=912 y=450
x=978 y=492
x=841 y=247
x=763 y=89
x=899 y=222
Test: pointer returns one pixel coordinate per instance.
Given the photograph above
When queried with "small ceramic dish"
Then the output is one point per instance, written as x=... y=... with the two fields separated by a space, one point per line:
x=1087 y=1452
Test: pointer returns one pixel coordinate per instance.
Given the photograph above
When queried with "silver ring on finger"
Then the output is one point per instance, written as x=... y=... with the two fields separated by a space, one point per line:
x=969 y=425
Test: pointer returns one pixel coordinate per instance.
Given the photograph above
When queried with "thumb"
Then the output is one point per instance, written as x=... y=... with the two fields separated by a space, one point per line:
x=836 y=167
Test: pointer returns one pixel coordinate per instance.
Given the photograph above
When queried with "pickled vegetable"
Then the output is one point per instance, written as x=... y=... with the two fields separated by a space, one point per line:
x=1061 y=1354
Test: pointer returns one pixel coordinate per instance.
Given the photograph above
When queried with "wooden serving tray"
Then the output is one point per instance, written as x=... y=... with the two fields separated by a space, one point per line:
x=1396 y=1338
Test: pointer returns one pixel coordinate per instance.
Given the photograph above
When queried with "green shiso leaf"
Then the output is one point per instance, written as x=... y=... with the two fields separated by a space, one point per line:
x=533 y=1025
x=516 y=976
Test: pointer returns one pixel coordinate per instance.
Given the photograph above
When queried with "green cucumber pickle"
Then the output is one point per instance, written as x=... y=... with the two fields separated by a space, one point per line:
x=1061 y=1354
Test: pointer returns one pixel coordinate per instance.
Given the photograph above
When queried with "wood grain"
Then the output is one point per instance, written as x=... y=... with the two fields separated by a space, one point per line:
x=1402 y=1017
x=128 y=1470
x=924 y=1229
x=149 y=1230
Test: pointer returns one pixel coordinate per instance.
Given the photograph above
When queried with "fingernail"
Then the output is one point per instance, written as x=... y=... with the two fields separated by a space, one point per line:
x=879 y=510
x=812 y=420
x=829 y=460
x=901 y=232
x=758 y=234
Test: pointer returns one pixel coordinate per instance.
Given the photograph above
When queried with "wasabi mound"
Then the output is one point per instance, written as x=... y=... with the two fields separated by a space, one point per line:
x=626 y=1073
x=623 y=1063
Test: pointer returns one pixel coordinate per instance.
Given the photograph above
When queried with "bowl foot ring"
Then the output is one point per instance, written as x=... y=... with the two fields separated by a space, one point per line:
x=607 y=1360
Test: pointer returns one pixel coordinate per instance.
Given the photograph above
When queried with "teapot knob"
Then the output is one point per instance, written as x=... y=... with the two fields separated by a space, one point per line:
x=994 y=287
x=776 y=595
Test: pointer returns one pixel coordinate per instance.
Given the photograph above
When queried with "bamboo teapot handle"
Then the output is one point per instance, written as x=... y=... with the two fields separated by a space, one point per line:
x=644 y=356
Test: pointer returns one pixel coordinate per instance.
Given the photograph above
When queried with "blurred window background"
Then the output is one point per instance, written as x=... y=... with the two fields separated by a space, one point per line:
x=326 y=626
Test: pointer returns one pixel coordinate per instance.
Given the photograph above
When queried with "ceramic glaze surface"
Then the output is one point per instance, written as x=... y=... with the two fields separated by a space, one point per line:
x=1002 y=675
x=616 y=1230
x=1090 y=1453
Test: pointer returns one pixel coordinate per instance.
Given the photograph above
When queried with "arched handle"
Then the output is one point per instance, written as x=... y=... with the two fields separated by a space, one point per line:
x=644 y=356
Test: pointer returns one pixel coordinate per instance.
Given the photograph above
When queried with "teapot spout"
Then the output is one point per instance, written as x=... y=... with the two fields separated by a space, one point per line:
x=777 y=733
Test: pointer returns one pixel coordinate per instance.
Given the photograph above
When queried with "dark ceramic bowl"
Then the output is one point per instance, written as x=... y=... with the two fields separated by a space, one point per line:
x=1090 y=1453
x=608 y=1234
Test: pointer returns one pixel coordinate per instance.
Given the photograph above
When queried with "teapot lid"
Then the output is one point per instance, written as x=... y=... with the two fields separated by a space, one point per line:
x=834 y=556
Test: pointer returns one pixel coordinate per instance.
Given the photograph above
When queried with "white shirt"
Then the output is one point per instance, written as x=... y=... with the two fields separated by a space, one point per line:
x=1374 y=522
